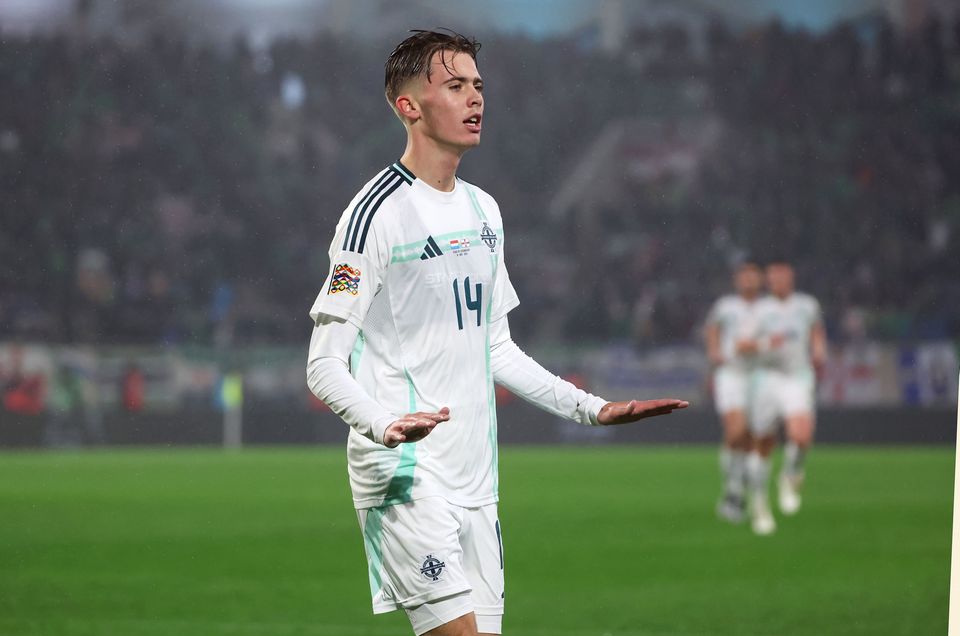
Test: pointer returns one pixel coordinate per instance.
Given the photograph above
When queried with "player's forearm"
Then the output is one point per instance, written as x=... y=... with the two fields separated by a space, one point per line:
x=713 y=344
x=329 y=378
x=818 y=344
x=526 y=378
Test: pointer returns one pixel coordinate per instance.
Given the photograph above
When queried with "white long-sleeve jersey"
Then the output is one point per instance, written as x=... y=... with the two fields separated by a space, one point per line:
x=791 y=319
x=412 y=317
x=736 y=318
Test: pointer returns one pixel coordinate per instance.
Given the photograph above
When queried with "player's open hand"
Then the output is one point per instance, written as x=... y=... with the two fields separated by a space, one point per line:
x=413 y=427
x=624 y=412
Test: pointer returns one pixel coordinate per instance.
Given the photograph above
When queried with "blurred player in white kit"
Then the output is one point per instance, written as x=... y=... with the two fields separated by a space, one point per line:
x=791 y=345
x=731 y=336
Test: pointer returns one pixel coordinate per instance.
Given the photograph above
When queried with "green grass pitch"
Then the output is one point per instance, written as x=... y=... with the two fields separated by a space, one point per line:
x=598 y=541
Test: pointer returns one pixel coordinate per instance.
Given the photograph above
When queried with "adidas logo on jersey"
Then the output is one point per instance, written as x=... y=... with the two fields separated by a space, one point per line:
x=430 y=250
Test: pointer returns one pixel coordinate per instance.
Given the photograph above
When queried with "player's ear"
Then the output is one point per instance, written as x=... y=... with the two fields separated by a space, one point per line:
x=408 y=108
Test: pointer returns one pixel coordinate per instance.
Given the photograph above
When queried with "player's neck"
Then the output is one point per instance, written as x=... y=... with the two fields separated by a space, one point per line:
x=434 y=164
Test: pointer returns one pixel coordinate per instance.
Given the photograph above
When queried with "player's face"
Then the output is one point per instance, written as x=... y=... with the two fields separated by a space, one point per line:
x=780 y=279
x=451 y=102
x=748 y=281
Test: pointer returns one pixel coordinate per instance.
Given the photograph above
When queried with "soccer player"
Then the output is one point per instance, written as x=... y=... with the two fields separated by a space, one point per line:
x=410 y=336
x=731 y=348
x=792 y=345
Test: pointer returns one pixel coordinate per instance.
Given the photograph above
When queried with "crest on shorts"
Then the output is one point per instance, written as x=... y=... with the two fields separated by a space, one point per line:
x=488 y=236
x=344 y=279
x=432 y=568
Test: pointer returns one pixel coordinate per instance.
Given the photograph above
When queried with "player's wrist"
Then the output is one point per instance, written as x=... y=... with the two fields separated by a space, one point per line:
x=590 y=410
x=380 y=426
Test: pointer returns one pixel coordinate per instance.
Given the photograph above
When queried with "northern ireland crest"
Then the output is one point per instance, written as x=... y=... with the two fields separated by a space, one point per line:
x=432 y=568
x=489 y=237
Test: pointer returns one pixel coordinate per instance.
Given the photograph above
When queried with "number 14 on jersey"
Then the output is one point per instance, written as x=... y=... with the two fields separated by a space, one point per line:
x=472 y=296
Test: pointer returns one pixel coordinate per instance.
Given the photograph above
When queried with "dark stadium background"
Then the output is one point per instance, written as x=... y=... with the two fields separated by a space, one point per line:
x=171 y=173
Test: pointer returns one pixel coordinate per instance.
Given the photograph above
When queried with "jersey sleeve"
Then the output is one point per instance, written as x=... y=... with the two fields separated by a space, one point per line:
x=356 y=274
x=504 y=295
x=523 y=376
x=713 y=316
x=328 y=376
x=816 y=312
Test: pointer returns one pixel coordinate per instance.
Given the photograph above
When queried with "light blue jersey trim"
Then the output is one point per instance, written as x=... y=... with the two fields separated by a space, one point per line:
x=399 y=491
x=357 y=352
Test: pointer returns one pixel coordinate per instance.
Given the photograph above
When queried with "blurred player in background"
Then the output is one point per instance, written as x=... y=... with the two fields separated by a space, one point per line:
x=791 y=346
x=731 y=336
x=410 y=335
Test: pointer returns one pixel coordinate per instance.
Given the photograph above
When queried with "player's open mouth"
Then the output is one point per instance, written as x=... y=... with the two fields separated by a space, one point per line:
x=473 y=123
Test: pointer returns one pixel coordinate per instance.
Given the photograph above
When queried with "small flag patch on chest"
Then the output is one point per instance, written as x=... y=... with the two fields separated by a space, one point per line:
x=345 y=279
x=460 y=246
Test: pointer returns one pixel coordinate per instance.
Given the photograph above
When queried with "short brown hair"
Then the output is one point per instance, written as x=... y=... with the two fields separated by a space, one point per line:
x=412 y=57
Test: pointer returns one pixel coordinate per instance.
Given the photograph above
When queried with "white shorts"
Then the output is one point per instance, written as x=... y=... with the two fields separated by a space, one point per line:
x=730 y=389
x=435 y=560
x=776 y=395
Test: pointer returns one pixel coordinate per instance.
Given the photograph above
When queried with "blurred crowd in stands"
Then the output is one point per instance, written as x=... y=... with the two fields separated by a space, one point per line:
x=187 y=194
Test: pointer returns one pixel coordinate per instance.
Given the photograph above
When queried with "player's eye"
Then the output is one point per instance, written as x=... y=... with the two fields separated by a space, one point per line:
x=454 y=87
x=479 y=87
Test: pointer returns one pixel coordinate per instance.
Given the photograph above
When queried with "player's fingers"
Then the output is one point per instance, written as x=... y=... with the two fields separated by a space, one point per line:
x=440 y=416
x=408 y=429
x=419 y=429
x=624 y=408
x=668 y=402
x=392 y=439
x=415 y=418
x=662 y=409
x=656 y=412
x=415 y=423
x=632 y=409
x=670 y=408
x=651 y=410
x=417 y=434
x=623 y=412
x=659 y=406
x=666 y=408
